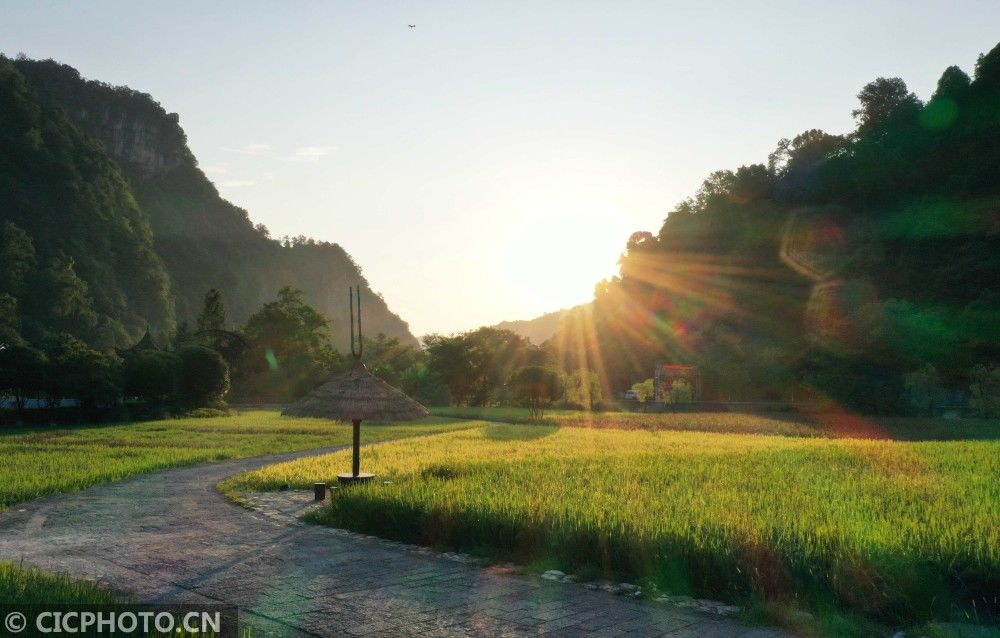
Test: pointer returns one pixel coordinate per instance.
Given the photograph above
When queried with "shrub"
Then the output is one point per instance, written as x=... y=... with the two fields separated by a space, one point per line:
x=203 y=376
x=151 y=375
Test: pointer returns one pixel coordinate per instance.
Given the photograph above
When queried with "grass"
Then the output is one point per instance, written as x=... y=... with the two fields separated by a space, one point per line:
x=819 y=424
x=890 y=530
x=37 y=461
x=22 y=586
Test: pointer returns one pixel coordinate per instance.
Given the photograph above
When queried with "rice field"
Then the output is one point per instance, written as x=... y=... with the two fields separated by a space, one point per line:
x=828 y=423
x=898 y=531
x=39 y=461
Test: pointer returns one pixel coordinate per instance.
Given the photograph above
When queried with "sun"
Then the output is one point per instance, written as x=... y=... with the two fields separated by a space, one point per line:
x=552 y=260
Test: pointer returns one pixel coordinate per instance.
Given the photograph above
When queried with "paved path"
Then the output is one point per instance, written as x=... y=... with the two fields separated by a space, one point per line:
x=171 y=537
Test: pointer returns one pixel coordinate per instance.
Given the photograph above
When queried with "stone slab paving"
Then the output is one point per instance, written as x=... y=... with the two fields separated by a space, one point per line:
x=172 y=537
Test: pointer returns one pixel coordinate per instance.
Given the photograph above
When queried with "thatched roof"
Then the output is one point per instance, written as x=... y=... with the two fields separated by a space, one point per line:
x=146 y=343
x=357 y=395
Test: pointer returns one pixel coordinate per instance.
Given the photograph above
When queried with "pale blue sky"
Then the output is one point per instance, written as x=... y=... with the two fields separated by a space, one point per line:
x=491 y=163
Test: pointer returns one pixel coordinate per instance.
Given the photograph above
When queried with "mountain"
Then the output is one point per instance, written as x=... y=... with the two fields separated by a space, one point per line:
x=202 y=240
x=541 y=328
x=76 y=251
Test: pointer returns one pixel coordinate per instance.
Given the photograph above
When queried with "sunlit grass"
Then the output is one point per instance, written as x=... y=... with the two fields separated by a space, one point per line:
x=39 y=461
x=819 y=424
x=900 y=530
x=22 y=586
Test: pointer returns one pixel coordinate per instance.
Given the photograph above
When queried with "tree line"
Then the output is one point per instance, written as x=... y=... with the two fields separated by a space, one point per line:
x=861 y=268
x=279 y=354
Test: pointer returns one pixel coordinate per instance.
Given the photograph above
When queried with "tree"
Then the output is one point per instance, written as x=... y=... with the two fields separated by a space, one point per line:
x=10 y=320
x=584 y=390
x=644 y=391
x=883 y=101
x=924 y=386
x=213 y=313
x=537 y=387
x=805 y=152
x=22 y=373
x=985 y=390
x=289 y=350
x=476 y=365
x=77 y=371
x=61 y=300
x=151 y=375
x=680 y=392
x=203 y=376
x=17 y=258
x=449 y=359
x=419 y=382
x=389 y=360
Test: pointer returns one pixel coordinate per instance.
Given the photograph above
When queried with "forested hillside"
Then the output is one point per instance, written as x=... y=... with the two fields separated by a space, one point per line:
x=860 y=267
x=203 y=240
x=76 y=251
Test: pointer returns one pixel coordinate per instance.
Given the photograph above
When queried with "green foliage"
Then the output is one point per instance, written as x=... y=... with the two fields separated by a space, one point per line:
x=76 y=251
x=680 y=392
x=389 y=360
x=202 y=376
x=213 y=313
x=17 y=258
x=924 y=386
x=644 y=390
x=583 y=390
x=829 y=274
x=476 y=365
x=985 y=390
x=405 y=367
x=289 y=351
x=152 y=376
x=22 y=372
x=203 y=240
x=537 y=387
x=77 y=371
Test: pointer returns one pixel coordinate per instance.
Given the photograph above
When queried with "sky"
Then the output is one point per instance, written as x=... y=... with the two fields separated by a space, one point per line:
x=490 y=163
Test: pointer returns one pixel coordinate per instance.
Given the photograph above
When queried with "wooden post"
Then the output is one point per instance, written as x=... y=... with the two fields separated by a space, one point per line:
x=356 y=465
x=319 y=491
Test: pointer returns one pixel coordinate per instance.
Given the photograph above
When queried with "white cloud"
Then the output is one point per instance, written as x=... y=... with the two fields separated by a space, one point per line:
x=310 y=153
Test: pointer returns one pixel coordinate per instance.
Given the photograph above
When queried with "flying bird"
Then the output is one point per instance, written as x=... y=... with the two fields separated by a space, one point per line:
x=412 y=26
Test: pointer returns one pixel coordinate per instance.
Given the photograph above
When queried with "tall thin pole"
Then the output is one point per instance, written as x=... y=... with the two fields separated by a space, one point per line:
x=356 y=465
x=350 y=303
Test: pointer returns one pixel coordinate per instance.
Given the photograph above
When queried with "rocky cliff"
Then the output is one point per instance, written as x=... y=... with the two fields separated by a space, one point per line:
x=204 y=240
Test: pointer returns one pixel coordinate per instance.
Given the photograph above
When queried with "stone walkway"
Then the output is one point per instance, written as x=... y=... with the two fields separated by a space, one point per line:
x=171 y=537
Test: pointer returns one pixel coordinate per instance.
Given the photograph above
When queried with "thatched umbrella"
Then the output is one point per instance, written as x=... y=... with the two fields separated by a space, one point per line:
x=357 y=396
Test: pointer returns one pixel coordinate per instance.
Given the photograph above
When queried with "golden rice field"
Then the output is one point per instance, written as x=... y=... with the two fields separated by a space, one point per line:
x=821 y=423
x=893 y=530
x=44 y=460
